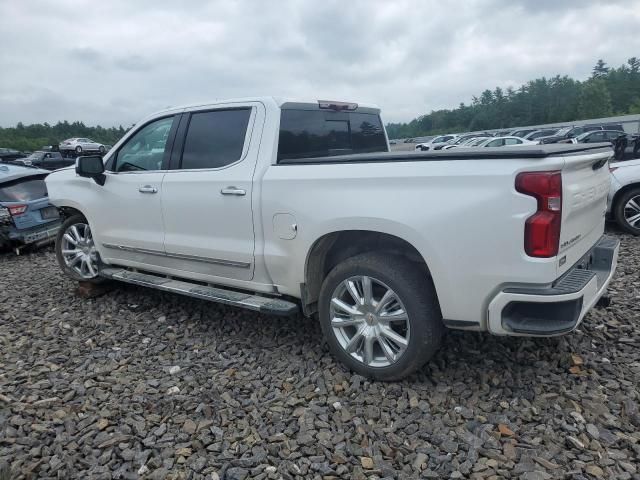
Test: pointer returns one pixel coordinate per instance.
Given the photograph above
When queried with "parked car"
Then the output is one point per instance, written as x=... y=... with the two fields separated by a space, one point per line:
x=46 y=160
x=277 y=183
x=521 y=132
x=541 y=133
x=623 y=205
x=9 y=154
x=81 y=145
x=504 y=142
x=26 y=216
x=597 y=136
x=567 y=133
x=469 y=142
x=459 y=140
x=434 y=142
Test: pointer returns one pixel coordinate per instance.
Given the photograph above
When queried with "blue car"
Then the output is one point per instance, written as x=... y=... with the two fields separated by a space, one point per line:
x=26 y=216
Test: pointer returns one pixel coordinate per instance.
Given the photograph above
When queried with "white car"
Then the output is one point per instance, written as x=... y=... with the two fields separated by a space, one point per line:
x=81 y=145
x=260 y=204
x=623 y=204
x=438 y=140
x=509 y=141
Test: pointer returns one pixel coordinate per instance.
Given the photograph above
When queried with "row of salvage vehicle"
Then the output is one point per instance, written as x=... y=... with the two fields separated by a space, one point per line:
x=522 y=137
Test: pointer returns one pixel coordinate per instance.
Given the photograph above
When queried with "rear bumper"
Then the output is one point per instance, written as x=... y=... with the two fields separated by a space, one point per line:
x=33 y=235
x=560 y=307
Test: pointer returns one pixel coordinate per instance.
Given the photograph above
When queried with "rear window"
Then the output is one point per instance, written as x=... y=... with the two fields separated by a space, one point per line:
x=24 y=190
x=319 y=133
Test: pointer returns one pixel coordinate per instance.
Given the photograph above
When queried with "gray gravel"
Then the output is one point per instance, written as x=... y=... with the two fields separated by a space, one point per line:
x=139 y=384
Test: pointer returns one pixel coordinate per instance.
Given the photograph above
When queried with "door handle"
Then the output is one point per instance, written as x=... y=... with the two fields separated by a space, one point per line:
x=148 y=189
x=233 y=191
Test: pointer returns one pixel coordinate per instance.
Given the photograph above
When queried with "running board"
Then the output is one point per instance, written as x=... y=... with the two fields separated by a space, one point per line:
x=267 y=305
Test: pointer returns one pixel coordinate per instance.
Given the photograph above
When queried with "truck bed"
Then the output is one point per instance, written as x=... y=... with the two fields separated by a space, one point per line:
x=536 y=151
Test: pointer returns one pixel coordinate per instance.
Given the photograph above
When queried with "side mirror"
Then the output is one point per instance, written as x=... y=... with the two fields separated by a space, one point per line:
x=91 y=167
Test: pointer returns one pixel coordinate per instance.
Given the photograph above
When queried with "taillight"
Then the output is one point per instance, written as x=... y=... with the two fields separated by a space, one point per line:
x=17 y=209
x=542 y=229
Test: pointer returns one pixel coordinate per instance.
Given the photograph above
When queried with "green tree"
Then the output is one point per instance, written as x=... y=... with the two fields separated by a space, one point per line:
x=595 y=100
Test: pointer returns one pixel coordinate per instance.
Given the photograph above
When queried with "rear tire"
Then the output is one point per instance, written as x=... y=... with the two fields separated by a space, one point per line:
x=625 y=211
x=421 y=332
x=76 y=269
x=78 y=150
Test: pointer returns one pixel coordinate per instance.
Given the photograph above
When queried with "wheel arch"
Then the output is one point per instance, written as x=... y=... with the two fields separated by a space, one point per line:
x=334 y=247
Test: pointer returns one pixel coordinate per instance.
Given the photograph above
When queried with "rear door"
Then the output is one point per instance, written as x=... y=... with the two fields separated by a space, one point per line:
x=207 y=194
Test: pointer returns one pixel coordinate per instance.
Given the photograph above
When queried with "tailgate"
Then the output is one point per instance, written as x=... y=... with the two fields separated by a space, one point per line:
x=585 y=185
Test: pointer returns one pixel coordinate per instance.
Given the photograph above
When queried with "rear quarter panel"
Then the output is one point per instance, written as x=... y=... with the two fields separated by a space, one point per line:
x=463 y=216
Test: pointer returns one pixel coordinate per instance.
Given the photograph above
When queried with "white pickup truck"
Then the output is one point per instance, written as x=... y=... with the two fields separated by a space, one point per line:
x=284 y=206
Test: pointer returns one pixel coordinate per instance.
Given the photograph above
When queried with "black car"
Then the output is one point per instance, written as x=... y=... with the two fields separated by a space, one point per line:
x=9 y=155
x=572 y=132
x=46 y=160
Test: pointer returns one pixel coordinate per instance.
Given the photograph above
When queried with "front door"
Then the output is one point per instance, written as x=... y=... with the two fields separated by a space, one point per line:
x=126 y=217
x=207 y=195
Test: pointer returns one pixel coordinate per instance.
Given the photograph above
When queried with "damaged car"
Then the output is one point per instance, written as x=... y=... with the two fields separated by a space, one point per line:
x=26 y=216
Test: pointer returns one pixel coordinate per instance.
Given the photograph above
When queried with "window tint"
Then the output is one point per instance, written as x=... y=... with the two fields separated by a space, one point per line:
x=31 y=188
x=494 y=143
x=215 y=139
x=146 y=148
x=319 y=133
x=596 y=137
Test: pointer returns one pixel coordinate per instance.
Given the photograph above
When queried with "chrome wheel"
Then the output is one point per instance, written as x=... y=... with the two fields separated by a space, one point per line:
x=79 y=252
x=369 y=321
x=632 y=212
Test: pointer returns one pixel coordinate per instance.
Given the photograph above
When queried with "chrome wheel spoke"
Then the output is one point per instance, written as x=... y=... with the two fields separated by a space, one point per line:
x=367 y=351
x=366 y=291
x=633 y=219
x=353 y=290
x=386 y=349
x=394 y=317
x=70 y=239
x=394 y=337
x=348 y=309
x=337 y=322
x=354 y=343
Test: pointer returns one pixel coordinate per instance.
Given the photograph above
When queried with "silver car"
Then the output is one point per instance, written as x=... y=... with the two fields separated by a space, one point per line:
x=623 y=204
x=81 y=145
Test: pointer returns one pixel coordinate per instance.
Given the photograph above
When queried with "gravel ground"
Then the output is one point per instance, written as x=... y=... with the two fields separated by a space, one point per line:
x=139 y=384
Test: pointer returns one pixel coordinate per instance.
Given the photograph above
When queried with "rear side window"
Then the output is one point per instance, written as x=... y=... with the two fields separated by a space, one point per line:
x=215 y=139
x=318 y=133
x=24 y=190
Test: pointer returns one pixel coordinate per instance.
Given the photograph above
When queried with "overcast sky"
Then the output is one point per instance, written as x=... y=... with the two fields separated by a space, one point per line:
x=112 y=62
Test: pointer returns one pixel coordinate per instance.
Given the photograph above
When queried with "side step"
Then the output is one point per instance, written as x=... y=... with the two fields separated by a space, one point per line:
x=267 y=305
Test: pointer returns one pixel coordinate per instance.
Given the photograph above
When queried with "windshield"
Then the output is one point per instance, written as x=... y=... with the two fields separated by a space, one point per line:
x=563 y=131
x=36 y=156
x=583 y=135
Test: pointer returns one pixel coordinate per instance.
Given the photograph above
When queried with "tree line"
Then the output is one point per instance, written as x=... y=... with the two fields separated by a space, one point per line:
x=34 y=137
x=609 y=91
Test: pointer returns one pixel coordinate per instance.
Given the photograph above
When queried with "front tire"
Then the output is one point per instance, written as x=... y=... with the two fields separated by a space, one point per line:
x=627 y=211
x=78 y=149
x=380 y=316
x=76 y=252
x=101 y=149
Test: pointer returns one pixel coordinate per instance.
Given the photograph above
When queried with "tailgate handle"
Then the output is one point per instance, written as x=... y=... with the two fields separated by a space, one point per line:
x=599 y=164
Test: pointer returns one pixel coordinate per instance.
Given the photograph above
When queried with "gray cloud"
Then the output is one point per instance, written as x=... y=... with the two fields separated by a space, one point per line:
x=113 y=62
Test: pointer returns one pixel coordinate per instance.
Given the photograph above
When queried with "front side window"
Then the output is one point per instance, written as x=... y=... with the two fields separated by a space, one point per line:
x=145 y=150
x=512 y=141
x=494 y=143
x=215 y=139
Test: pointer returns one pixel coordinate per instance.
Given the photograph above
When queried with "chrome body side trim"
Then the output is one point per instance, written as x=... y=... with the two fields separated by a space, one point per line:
x=195 y=258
